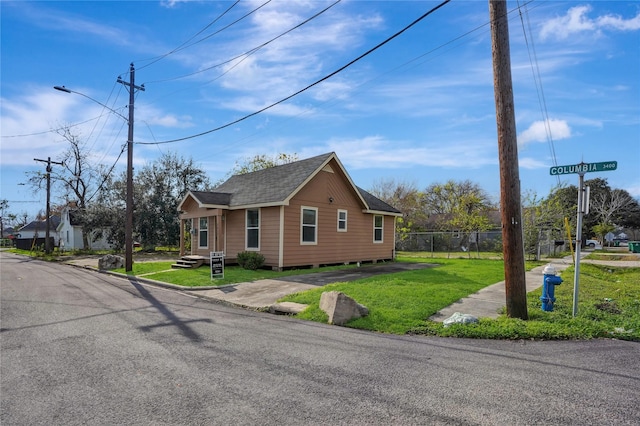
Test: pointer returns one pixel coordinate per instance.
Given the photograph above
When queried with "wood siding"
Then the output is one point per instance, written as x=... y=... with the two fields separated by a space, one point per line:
x=328 y=191
x=332 y=246
x=269 y=234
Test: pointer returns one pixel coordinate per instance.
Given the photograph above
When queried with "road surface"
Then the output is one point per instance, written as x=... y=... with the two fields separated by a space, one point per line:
x=80 y=347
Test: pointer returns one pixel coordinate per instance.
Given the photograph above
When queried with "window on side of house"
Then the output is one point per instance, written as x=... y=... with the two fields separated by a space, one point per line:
x=309 y=225
x=342 y=221
x=378 y=228
x=203 y=233
x=253 y=229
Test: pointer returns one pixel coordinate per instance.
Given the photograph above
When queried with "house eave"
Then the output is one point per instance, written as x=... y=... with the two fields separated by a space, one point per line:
x=382 y=213
x=259 y=205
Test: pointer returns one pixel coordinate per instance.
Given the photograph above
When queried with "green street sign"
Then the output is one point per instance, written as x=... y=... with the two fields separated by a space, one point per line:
x=584 y=168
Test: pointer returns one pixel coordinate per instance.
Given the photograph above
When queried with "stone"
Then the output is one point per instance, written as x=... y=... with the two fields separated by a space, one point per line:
x=459 y=318
x=341 y=308
x=110 y=261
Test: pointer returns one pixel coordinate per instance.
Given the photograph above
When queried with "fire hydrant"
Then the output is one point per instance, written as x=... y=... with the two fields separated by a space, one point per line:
x=549 y=283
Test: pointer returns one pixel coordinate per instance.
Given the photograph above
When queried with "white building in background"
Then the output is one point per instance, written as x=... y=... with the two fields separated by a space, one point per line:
x=71 y=234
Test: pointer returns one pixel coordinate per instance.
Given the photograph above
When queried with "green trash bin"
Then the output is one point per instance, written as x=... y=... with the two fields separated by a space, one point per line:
x=634 y=246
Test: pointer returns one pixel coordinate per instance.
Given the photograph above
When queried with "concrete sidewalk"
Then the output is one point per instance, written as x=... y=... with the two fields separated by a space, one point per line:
x=488 y=302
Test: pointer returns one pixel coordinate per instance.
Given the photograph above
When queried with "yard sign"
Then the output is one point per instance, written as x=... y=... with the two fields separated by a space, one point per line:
x=217 y=264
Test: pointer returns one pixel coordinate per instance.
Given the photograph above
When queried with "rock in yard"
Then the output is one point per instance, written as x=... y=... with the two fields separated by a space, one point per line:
x=459 y=318
x=110 y=261
x=341 y=308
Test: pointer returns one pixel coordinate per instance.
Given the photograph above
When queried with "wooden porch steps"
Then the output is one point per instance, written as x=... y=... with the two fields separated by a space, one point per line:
x=189 y=262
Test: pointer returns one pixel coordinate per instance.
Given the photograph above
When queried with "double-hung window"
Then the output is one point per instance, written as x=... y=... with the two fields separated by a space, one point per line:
x=203 y=233
x=309 y=225
x=378 y=228
x=342 y=221
x=253 y=229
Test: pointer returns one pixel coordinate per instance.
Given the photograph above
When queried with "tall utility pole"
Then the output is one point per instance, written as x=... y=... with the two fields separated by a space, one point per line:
x=510 y=201
x=47 y=243
x=128 y=227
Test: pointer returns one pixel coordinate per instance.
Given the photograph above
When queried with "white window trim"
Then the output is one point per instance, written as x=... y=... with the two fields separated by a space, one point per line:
x=246 y=230
x=346 y=216
x=381 y=228
x=201 y=230
x=302 y=225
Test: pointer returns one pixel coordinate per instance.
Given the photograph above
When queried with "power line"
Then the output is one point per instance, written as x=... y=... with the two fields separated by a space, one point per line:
x=182 y=46
x=537 y=79
x=250 y=51
x=214 y=33
x=342 y=68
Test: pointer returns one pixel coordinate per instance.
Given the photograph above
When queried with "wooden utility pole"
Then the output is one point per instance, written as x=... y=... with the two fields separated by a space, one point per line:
x=47 y=243
x=128 y=226
x=510 y=201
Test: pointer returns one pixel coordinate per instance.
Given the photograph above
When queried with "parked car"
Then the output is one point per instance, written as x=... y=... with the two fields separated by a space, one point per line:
x=593 y=244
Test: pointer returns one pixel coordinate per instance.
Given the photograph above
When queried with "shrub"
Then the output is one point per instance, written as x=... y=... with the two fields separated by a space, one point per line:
x=250 y=260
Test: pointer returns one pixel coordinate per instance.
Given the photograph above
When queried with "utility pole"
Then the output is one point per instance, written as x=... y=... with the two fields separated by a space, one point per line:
x=510 y=201
x=47 y=243
x=128 y=230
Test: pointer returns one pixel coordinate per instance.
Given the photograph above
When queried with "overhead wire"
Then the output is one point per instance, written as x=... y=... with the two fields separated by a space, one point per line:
x=248 y=52
x=326 y=77
x=216 y=32
x=535 y=69
x=182 y=46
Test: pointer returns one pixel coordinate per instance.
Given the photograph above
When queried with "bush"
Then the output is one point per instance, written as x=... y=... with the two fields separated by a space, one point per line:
x=250 y=260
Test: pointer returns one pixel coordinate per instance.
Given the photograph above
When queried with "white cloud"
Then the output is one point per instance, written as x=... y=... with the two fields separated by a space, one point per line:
x=538 y=131
x=531 y=163
x=378 y=152
x=577 y=21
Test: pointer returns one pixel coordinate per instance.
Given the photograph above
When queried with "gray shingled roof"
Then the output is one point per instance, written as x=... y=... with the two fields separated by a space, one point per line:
x=375 y=203
x=271 y=185
x=212 y=198
x=41 y=225
x=274 y=185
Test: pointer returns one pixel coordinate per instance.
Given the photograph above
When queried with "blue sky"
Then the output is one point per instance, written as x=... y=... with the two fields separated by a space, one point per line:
x=420 y=109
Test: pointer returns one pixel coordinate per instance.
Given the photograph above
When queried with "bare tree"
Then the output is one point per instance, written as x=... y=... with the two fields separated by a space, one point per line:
x=606 y=206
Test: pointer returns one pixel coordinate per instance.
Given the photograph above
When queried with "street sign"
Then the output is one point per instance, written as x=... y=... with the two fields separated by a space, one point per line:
x=584 y=168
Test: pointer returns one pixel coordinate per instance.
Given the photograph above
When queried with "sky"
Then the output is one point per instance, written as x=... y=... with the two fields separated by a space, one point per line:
x=419 y=109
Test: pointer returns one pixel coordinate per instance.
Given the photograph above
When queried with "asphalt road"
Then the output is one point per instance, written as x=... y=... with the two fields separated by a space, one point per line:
x=79 y=347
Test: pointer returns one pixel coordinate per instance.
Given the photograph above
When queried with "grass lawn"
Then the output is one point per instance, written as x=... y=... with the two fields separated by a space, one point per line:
x=400 y=302
x=201 y=277
x=608 y=306
x=608 y=302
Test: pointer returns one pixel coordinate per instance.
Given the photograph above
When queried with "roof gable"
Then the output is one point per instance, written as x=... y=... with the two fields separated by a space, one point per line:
x=277 y=185
x=273 y=185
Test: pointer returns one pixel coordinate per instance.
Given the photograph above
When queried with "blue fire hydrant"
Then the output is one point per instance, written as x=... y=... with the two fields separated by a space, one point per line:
x=549 y=283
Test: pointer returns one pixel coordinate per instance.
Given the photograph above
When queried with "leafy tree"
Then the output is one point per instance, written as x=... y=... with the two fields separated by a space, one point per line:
x=161 y=186
x=405 y=197
x=543 y=216
x=461 y=206
x=602 y=229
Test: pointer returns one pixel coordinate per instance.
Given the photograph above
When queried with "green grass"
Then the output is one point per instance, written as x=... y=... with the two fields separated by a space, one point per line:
x=401 y=301
x=201 y=277
x=609 y=304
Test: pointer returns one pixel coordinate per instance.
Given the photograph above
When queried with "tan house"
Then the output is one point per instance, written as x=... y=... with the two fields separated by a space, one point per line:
x=305 y=213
